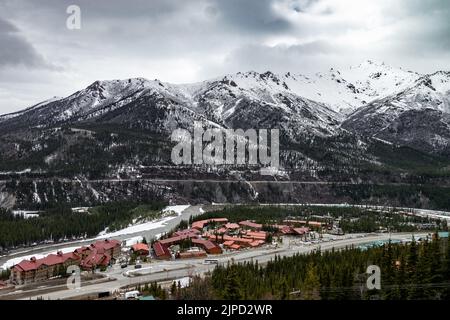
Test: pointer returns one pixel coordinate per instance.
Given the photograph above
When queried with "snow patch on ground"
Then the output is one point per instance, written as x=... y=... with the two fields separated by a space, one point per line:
x=155 y=224
x=131 y=241
x=178 y=209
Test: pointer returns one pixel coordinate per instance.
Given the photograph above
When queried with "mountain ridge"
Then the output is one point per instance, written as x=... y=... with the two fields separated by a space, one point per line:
x=190 y=90
x=127 y=123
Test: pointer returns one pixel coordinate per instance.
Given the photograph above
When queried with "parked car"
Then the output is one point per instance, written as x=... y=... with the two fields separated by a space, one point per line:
x=131 y=295
x=123 y=266
x=138 y=266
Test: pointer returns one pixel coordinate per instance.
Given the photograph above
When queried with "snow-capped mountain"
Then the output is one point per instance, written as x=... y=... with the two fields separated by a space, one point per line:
x=341 y=91
x=243 y=99
x=367 y=100
x=344 y=91
x=30 y=109
x=418 y=116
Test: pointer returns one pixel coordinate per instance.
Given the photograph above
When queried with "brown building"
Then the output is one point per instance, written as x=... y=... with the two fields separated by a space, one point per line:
x=202 y=223
x=111 y=247
x=34 y=270
x=191 y=254
x=251 y=225
x=141 y=249
x=207 y=245
x=161 y=251
x=101 y=253
x=236 y=240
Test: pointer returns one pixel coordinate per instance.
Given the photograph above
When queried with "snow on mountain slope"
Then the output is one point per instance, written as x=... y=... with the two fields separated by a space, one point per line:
x=36 y=106
x=298 y=103
x=252 y=100
x=100 y=94
x=96 y=100
x=347 y=90
x=244 y=99
x=375 y=80
x=418 y=116
x=342 y=92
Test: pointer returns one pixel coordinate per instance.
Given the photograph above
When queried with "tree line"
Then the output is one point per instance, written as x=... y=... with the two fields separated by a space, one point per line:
x=60 y=223
x=419 y=270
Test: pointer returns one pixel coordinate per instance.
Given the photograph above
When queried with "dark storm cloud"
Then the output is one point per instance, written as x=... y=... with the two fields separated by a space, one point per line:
x=15 y=49
x=256 y=16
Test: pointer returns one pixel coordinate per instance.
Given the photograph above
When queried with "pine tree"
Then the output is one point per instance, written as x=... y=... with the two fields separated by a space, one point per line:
x=435 y=273
x=412 y=259
x=231 y=288
x=446 y=271
x=173 y=290
x=311 y=285
x=400 y=279
x=387 y=268
x=421 y=273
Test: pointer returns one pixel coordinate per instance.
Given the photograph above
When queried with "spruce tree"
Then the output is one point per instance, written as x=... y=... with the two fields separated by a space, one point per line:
x=387 y=268
x=311 y=285
x=231 y=288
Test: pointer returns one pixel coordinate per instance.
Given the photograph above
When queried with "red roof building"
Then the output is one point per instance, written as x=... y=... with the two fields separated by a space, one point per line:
x=112 y=247
x=49 y=261
x=187 y=232
x=161 y=251
x=202 y=223
x=284 y=229
x=191 y=254
x=301 y=231
x=177 y=239
x=209 y=246
x=256 y=243
x=250 y=224
x=228 y=243
x=309 y=223
x=100 y=253
x=260 y=235
x=97 y=258
x=241 y=241
x=141 y=249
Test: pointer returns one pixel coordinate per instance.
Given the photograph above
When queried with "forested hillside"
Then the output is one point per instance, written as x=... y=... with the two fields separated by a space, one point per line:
x=61 y=223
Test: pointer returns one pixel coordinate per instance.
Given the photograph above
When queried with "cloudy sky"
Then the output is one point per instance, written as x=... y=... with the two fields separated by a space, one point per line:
x=192 y=40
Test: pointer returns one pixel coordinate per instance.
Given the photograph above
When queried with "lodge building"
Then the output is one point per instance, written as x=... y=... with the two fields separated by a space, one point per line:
x=99 y=254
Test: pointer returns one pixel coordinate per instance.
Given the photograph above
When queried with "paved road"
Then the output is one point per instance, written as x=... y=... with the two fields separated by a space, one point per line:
x=156 y=180
x=179 y=269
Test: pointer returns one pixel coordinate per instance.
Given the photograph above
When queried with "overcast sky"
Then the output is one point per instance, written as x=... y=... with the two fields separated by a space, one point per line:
x=183 y=41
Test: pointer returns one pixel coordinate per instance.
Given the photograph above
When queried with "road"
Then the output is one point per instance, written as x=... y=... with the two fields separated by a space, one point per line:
x=158 y=180
x=182 y=268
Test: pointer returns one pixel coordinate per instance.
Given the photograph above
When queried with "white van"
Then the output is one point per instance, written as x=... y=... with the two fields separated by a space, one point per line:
x=131 y=295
